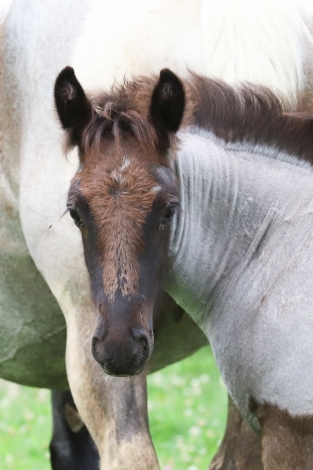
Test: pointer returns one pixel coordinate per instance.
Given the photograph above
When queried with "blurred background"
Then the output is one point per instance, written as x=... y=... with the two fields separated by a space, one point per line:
x=187 y=412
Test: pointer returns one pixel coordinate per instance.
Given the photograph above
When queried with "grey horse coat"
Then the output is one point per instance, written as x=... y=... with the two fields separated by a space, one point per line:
x=241 y=264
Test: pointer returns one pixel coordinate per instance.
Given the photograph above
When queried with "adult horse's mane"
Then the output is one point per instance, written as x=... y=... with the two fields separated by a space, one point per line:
x=245 y=113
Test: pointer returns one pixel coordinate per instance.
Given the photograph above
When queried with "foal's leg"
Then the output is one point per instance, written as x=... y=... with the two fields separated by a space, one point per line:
x=71 y=446
x=241 y=447
x=287 y=441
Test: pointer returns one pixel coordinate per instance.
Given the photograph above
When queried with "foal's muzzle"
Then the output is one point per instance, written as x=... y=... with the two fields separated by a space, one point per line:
x=122 y=354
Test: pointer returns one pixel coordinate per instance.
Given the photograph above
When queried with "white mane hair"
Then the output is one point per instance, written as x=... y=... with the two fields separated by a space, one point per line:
x=258 y=41
x=262 y=41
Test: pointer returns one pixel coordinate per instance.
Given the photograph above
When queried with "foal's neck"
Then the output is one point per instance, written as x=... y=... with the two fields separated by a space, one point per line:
x=229 y=199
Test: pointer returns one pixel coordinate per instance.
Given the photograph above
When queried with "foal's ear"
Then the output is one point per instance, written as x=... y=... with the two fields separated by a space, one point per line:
x=167 y=103
x=73 y=107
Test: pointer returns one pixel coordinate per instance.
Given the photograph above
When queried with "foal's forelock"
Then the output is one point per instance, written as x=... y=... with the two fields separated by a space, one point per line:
x=120 y=197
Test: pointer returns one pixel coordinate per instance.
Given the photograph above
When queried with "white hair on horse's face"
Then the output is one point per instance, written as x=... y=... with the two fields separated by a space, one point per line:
x=156 y=189
x=118 y=174
x=125 y=163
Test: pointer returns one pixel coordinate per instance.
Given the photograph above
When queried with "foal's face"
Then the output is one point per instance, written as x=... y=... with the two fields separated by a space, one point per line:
x=124 y=210
x=123 y=201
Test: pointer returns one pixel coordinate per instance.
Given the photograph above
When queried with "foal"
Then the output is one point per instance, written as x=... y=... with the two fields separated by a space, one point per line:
x=225 y=228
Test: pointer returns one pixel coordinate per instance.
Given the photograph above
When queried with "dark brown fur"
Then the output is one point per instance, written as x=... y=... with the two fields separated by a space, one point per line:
x=287 y=441
x=252 y=114
x=240 y=448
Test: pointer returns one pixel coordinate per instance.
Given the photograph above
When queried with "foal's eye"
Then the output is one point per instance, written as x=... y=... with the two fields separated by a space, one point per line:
x=76 y=218
x=168 y=215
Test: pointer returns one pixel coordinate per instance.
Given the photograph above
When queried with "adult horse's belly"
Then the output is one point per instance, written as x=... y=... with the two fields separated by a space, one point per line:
x=32 y=327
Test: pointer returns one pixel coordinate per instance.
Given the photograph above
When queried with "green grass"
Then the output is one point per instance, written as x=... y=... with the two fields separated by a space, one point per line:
x=25 y=427
x=187 y=410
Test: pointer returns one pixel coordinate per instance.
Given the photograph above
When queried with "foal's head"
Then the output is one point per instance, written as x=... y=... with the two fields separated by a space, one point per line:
x=123 y=199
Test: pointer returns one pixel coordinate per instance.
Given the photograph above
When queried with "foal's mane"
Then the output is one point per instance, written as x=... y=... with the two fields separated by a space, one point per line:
x=253 y=114
x=245 y=113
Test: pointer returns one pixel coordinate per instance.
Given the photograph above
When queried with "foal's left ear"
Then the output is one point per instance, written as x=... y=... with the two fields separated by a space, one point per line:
x=167 y=103
x=73 y=107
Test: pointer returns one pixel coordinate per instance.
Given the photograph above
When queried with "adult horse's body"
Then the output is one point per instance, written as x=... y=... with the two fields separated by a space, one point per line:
x=42 y=271
x=238 y=195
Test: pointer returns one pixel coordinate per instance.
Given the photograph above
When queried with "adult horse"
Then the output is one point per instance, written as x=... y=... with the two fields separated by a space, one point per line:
x=42 y=272
x=220 y=215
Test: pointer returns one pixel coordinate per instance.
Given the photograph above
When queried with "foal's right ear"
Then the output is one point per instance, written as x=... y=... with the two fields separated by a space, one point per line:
x=73 y=107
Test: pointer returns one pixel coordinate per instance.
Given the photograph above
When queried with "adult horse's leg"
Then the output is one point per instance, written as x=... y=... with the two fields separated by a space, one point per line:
x=113 y=409
x=71 y=446
x=240 y=448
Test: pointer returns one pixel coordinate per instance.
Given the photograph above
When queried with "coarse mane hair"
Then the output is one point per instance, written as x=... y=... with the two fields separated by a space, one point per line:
x=252 y=113
x=244 y=113
x=123 y=109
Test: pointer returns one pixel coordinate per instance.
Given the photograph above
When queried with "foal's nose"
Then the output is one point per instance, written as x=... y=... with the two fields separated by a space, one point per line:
x=122 y=354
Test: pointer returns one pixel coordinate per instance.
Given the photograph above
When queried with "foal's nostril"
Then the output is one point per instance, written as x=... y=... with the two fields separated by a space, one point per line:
x=98 y=349
x=138 y=333
x=141 y=337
